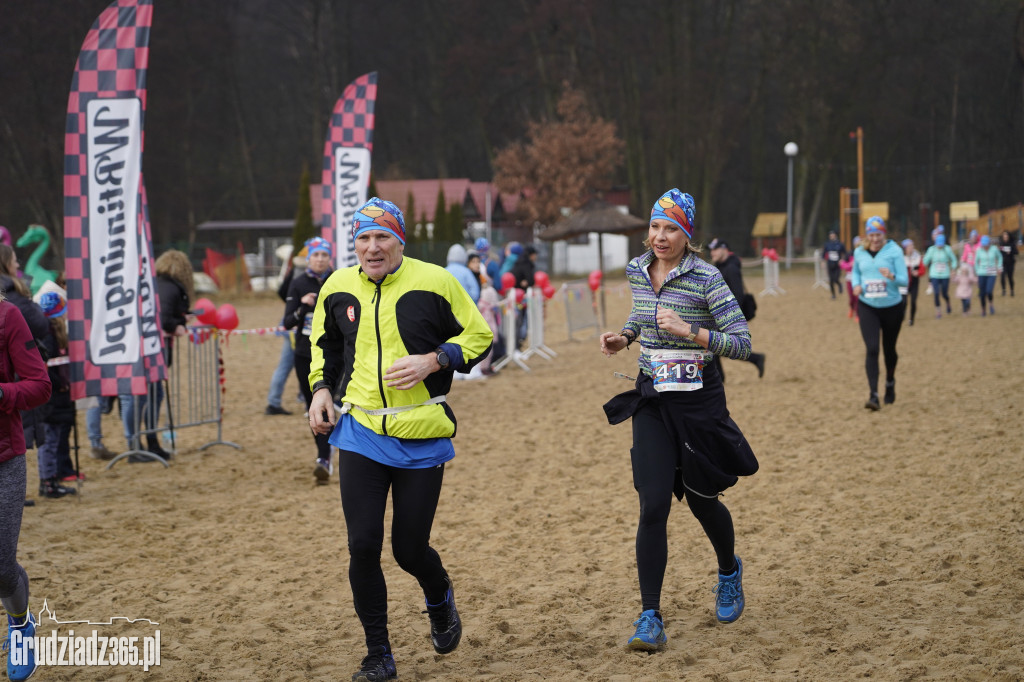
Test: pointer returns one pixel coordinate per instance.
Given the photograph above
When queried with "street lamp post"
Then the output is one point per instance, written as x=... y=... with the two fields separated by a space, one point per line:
x=791 y=150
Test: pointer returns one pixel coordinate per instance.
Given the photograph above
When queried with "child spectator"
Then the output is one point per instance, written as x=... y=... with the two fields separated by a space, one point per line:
x=475 y=266
x=846 y=265
x=491 y=265
x=965 y=279
x=457 y=266
x=55 y=450
x=490 y=307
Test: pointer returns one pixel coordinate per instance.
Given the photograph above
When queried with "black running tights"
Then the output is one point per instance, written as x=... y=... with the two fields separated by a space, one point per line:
x=834 y=284
x=910 y=300
x=323 y=445
x=1007 y=275
x=884 y=322
x=654 y=456
x=364 y=495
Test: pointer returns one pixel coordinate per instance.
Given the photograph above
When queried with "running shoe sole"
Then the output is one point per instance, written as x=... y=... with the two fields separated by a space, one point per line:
x=637 y=644
x=322 y=473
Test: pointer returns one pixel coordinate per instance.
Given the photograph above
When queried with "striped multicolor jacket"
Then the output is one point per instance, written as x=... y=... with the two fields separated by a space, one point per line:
x=694 y=290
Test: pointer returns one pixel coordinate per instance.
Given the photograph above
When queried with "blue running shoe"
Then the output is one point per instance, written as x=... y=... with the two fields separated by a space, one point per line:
x=445 y=624
x=323 y=470
x=377 y=667
x=650 y=633
x=729 y=591
x=21 y=660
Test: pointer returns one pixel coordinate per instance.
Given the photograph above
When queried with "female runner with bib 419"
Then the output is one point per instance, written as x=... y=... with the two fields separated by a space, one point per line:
x=684 y=441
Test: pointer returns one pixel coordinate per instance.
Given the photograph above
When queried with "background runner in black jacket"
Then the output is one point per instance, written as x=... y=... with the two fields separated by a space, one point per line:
x=298 y=315
x=833 y=254
x=729 y=265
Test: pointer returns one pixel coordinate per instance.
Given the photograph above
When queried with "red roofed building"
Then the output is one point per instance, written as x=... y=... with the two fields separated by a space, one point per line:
x=477 y=198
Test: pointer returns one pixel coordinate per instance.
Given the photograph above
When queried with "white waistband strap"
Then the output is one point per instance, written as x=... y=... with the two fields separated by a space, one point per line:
x=348 y=407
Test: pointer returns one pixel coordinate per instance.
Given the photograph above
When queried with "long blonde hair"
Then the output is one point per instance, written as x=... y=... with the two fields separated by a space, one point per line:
x=7 y=258
x=60 y=332
x=175 y=264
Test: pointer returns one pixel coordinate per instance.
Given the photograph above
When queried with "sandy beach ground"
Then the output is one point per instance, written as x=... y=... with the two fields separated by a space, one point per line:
x=884 y=545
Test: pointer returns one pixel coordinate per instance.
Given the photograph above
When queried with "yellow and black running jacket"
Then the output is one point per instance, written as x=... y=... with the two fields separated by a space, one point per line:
x=360 y=328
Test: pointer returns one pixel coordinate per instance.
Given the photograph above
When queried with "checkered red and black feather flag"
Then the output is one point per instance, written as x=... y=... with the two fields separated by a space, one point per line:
x=113 y=321
x=347 y=160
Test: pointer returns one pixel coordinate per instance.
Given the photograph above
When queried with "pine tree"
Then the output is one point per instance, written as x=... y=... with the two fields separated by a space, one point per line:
x=304 y=228
x=410 y=215
x=441 y=219
x=456 y=224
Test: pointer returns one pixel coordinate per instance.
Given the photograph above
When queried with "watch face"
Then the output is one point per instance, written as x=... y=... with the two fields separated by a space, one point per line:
x=442 y=359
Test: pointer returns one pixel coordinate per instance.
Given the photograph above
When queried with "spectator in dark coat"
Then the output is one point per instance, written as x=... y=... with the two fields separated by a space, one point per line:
x=525 y=268
x=54 y=452
x=176 y=290
x=17 y=292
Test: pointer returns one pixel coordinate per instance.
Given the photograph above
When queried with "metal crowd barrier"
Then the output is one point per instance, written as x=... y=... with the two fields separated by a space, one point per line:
x=820 y=276
x=580 y=307
x=534 y=311
x=190 y=396
x=535 y=325
x=510 y=330
x=771 y=278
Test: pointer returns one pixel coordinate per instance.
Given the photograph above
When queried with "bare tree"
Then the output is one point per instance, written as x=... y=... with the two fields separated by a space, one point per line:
x=564 y=161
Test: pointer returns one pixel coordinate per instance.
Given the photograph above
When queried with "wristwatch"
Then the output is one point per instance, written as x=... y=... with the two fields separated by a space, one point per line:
x=442 y=358
x=693 y=331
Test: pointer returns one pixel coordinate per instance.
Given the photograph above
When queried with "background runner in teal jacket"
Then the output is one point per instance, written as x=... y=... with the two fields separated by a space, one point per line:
x=879 y=271
x=941 y=263
x=988 y=263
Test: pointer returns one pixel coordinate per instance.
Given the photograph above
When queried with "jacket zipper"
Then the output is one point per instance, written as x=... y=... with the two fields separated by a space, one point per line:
x=380 y=356
x=657 y=295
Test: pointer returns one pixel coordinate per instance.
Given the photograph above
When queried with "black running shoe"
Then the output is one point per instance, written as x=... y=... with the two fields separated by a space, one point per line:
x=890 y=392
x=758 y=360
x=375 y=668
x=50 y=487
x=445 y=625
x=872 y=403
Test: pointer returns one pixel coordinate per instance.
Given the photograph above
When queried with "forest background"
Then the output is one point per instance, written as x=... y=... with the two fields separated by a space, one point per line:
x=703 y=94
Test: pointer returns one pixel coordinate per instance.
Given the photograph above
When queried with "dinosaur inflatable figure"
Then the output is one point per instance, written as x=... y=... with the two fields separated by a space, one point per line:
x=39 y=274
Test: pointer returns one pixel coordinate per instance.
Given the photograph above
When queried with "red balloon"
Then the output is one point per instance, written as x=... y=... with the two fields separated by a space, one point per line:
x=548 y=290
x=594 y=280
x=540 y=278
x=227 y=317
x=205 y=311
x=520 y=295
x=508 y=280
